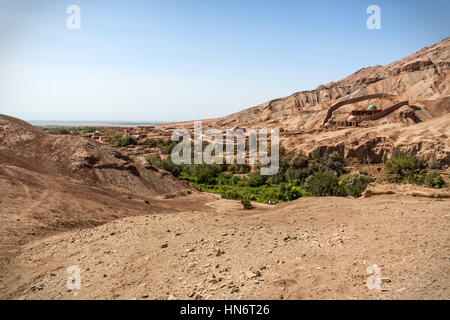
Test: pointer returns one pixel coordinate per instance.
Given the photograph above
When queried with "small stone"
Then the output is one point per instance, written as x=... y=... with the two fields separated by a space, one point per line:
x=171 y=297
x=234 y=289
x=252 y=274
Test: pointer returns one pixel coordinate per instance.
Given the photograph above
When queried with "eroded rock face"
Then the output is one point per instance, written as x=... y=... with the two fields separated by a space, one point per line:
x=415 y=91
x=376 y=189
x=428 y=139
x=421 y=76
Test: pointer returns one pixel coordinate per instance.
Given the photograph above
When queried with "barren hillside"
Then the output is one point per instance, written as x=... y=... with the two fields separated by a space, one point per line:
x=417 y=78
x=412 y=95
x=90 y=162
x=53 y=183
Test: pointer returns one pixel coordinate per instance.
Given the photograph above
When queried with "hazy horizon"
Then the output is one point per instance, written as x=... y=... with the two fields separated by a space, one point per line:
x=96 y=123
x=183 y=60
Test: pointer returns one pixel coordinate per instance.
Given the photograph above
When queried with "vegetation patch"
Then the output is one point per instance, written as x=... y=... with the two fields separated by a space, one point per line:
x=246 y=204
x=406 y=168
x=298 y=176
x=122 y=141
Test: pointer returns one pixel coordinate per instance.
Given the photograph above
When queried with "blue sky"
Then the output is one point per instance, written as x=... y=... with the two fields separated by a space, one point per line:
x=181 y=60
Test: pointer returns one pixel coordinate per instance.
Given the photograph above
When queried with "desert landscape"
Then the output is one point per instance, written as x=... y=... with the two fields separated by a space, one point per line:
x=138 y=231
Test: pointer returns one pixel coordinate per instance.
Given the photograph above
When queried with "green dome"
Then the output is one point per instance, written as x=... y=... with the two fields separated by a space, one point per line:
x=372 y=107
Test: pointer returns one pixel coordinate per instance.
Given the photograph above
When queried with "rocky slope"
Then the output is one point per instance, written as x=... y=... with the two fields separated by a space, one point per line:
x=90 y=162
x=428 y=139
x=54 y=183
x=421 y=76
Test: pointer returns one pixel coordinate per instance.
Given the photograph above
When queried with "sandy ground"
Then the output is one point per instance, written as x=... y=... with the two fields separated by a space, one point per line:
x=311 y=248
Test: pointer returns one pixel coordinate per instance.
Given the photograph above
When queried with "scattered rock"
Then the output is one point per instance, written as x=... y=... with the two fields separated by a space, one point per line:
x=252 y=274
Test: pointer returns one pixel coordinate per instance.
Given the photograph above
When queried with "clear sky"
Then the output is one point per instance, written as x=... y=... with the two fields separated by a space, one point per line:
x=181 y=60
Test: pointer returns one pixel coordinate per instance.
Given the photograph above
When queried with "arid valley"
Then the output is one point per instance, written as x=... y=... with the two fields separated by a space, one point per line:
x=138 y=231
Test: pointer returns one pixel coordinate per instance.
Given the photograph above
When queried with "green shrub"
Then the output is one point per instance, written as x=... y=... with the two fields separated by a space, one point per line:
x=297 y=173
x=59 y=131
x=407 y=168
x=235 y=180
x=327 y=162
x=165 y=145
x=402 y=167
x=166 y=164
x=151 y=143
x=290 y=191
x=128 y=141
x=434 y=180
x=120 y=141
x=393 y=178
x=339 y=190
x=323 y=184
x=405 y=165
x=246 y=204
x=257 y=180
x=354 y=184
x=276 y=178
